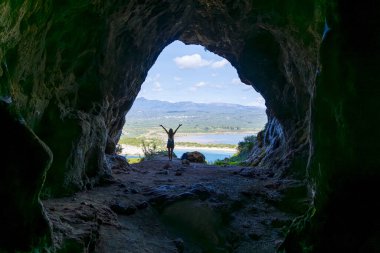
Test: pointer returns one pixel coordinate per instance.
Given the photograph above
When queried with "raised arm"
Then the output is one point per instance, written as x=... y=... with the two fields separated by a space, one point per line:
x=177 y=128
x=164 y=129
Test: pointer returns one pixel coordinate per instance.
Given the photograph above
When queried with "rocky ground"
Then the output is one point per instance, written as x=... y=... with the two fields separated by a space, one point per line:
x=161 y=206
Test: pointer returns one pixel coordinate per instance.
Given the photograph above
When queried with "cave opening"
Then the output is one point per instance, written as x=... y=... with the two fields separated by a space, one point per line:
x=197 y=203
x=191 y=86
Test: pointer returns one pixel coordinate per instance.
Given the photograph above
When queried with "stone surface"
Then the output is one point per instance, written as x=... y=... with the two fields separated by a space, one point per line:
x=122 y=209
x=179 y=244
x=345 y=159
x=76 y=223
x=185 y=162
x=200 y=212
x=23 y=170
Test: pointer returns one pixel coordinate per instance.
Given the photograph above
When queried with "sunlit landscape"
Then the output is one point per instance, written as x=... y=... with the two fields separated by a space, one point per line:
x=191 y=86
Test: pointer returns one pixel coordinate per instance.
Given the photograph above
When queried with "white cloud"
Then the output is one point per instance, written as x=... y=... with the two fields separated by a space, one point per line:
x=236 y=81
x=219 y=64
x=200 y=84
x=196 y=61
x=218 y=86
x=214 y=74
x=191 y=61
x=157 y=86
x=177 y=78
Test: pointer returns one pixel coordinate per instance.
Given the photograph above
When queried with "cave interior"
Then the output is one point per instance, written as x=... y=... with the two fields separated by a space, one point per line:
x=70 y=71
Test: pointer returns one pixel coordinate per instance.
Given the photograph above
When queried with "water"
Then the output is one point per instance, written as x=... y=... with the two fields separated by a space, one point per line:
x=213 y=138
x=134 y=156
x=211 y=155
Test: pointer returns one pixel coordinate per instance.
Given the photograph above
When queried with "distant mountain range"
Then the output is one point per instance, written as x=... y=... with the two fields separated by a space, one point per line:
x=146 y=105
x=146 y=115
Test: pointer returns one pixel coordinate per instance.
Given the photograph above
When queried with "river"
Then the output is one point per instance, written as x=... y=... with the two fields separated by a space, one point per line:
x=211 y=155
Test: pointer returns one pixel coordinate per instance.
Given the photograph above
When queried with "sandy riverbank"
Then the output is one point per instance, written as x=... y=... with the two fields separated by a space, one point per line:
x=133 y=150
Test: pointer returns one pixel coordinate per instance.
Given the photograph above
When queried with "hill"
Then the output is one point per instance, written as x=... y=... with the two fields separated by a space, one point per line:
x=146 y=115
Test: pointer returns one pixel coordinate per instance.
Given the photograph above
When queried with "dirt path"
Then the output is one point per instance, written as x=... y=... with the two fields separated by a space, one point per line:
x=160 y=206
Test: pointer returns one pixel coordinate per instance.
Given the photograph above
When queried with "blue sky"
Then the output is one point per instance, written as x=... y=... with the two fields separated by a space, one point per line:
x=190 y=73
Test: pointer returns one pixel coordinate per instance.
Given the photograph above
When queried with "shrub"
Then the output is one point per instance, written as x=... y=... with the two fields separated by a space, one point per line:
x=150 y=150
x=135 y=160
x=244 y=148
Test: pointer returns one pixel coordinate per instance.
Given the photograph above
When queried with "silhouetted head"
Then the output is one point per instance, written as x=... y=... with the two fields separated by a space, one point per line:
x=170 y=132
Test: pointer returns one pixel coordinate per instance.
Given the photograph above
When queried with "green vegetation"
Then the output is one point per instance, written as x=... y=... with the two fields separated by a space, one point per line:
x=244 y=148
x=137 y=142
x=150 y=150
x=142 y=125
x=145 y=116
x=135 y=160
x=200 y=145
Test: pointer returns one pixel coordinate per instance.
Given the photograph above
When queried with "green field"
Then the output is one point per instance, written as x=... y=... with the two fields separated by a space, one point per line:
x=144 y=118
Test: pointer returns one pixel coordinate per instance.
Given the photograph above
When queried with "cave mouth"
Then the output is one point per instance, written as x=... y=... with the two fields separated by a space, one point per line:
x=191 y=86
x=73 y=80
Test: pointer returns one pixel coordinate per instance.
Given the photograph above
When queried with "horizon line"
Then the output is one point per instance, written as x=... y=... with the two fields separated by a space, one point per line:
x=263 y=107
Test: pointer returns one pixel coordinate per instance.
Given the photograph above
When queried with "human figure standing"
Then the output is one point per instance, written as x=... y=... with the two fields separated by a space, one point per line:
x=170 y=144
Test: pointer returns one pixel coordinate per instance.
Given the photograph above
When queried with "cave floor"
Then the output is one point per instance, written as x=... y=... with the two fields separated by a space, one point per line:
x=161 y=206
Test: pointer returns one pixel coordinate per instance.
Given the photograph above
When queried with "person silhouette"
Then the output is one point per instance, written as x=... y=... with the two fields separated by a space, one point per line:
x=170 y=143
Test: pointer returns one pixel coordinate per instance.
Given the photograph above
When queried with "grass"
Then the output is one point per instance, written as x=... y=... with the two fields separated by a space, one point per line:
x=135 y=160
x=200 y=145
x=137 y=141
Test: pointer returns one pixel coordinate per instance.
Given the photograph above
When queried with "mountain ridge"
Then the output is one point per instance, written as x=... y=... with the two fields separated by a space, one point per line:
x=145 y=116
x=143 y=103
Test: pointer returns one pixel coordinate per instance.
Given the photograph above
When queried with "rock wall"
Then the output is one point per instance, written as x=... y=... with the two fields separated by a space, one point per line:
x=344 y=167
x=49 y=65
x=24 y=161
x=73 y=69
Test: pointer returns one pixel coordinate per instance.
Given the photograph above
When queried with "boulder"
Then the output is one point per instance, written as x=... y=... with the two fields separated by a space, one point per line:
x=114 y=162
x=194 y=157
x=122 y=209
